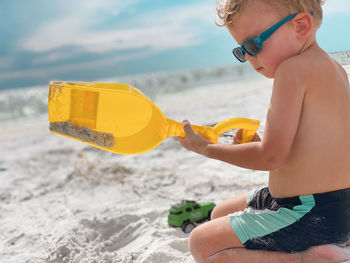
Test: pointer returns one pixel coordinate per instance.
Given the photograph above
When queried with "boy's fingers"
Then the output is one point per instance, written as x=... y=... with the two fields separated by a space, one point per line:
x=238 y=137
x=256 y=138
x=187 y=128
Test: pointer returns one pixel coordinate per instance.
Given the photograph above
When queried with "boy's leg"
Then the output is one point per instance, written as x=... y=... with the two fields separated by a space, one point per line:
x=319 y=254
x=231 y=205
x=211 y=237
x=243 y=255
x=209 y=243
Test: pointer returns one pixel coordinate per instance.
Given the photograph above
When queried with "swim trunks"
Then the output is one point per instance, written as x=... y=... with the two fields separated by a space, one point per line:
x=293 y=224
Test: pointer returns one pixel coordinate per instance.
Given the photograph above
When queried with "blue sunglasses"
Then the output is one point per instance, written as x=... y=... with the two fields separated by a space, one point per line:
x=253 y=46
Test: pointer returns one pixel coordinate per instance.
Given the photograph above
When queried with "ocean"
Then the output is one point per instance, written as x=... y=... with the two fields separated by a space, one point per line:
x=32 y=101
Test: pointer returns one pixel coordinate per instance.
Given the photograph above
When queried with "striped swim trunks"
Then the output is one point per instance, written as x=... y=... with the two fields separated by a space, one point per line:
x=293 y=224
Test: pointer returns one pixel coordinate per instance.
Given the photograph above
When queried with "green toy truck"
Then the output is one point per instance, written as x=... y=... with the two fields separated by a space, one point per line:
x=188 y=213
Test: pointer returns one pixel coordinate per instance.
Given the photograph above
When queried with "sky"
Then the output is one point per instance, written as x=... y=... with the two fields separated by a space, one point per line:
x=89 y=40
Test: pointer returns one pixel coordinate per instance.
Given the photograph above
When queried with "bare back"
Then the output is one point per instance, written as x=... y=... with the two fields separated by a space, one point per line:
x=319 y=158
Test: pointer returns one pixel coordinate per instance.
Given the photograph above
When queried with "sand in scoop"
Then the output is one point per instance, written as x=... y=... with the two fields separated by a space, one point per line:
x=83 y=133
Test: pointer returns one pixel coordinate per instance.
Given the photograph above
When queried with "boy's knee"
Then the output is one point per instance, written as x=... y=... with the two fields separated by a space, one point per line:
x=229 y=206
x=214 y=213
x=217 y=212
x=194 y=240
x=227 y=255
x=196 y=244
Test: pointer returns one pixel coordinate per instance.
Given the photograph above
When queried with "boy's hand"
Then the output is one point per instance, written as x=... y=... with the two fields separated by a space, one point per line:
x=238 y=137
x=193 y=141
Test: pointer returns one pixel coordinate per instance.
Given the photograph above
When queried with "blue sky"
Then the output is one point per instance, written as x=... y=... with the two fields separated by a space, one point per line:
x=87 y=40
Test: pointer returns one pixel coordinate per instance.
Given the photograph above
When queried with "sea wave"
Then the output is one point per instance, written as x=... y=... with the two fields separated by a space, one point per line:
x=32 y=101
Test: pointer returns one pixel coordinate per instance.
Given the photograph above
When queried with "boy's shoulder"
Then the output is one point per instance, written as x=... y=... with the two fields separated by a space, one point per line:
x=309 y=65
x=293 y=70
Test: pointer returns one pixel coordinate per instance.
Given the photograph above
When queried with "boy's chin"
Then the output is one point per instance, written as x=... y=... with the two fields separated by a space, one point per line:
x=265 y=72
x=268 y=75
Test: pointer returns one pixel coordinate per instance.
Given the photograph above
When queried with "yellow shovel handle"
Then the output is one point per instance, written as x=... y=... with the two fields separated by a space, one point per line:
x=175 y=128
x=249 y=127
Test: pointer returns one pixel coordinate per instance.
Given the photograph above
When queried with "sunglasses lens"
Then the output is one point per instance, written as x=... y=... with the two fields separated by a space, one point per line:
x=239 y=54
x=251 y=47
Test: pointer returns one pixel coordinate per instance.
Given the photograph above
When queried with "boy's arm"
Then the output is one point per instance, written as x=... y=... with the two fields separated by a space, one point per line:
x=281 y=126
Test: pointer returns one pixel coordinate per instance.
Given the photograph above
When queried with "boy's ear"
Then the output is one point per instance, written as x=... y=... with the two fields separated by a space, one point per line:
x=303 y=24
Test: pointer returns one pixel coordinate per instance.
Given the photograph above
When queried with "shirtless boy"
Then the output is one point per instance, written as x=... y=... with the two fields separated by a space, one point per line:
x=304 y=213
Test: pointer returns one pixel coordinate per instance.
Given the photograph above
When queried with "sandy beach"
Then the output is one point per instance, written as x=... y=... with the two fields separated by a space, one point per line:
x=65 y=201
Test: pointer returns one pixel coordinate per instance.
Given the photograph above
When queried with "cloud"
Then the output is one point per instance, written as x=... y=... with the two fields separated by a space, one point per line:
x=336 y=7
x=81 y=8
x=44 y=72
x=6 y=62
x=77 y=28
x=158 y=30
x=155 y=37
x=54 y=57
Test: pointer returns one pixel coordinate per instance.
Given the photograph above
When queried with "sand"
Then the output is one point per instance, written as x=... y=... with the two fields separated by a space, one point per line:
x=84 y=134
x=65 y=201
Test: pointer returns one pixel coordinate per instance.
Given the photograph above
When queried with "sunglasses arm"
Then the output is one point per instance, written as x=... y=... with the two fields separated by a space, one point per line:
x=265 y=35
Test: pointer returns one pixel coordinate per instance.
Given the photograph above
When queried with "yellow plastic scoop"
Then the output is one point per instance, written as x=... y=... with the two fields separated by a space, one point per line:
x=120 y=119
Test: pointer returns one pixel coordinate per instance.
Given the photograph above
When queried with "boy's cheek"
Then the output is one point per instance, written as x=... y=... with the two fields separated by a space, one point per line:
x=270 y=61
x=269 y=67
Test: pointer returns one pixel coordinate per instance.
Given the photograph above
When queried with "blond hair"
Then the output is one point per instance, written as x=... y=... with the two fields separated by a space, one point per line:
x=228 y=10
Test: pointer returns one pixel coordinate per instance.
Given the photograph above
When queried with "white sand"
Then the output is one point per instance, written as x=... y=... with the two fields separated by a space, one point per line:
x=64 y=201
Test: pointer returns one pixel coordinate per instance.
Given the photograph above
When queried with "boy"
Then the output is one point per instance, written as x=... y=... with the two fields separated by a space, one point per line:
x=304 y=213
